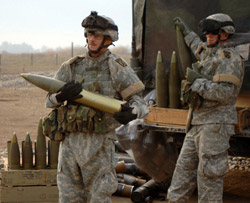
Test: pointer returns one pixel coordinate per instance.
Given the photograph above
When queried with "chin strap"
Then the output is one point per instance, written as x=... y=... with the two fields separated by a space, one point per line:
x=218 y=41
x=213 y=45
x=101 y=46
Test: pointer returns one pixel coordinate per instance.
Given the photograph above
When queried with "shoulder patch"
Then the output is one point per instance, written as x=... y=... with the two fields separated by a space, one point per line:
x=121 y=62
x=227 y=54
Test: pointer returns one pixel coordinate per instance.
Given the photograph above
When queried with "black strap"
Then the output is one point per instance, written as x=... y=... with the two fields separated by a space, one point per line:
x=227 y=23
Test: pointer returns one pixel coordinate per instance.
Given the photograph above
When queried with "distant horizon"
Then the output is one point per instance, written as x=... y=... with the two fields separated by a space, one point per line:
x=24 y=47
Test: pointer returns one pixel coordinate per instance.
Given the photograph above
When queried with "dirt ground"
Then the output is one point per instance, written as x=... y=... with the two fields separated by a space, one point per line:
x=20 y=110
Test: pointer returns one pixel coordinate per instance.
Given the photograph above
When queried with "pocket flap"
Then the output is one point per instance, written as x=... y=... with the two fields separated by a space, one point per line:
x=71 y=113
x=82 y=113
x=61 y=114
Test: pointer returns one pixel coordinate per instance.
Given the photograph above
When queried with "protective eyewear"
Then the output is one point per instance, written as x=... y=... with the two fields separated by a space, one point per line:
x=212 y=26
x=97 y=36
x=213 y=32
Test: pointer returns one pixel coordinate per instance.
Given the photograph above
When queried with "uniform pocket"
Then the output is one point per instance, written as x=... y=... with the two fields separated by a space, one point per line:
x=49 y=124
x=100 y=123
x=213 y=146
x=61 y=118
x=214 y=166
x=82 y=118
x=71 y=117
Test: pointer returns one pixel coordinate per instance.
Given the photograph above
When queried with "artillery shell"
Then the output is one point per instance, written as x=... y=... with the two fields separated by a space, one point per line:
x=184 y=52
x=40 y=148
x=94 y=100
x=14 y=153
x=174 y=83
x=161 y=82
x=27 y=153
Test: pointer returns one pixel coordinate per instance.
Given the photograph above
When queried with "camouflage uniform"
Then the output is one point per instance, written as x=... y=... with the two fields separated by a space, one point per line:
x=86 y=160
x=203 y=156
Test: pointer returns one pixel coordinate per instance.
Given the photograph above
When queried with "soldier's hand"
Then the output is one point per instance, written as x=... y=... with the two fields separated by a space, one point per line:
x=192 y=75
x=192 y=98
x=70 y=91
x=186 y=95
x=125 y=115
x=183 y=27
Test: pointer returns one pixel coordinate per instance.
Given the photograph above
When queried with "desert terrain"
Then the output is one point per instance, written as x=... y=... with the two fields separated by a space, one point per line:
x=22 y=105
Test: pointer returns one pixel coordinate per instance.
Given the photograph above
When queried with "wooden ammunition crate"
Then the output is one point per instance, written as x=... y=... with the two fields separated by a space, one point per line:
x=177 y=118
x=28 y=177
x=29 y=194
x=167 y=117
x=29 y=186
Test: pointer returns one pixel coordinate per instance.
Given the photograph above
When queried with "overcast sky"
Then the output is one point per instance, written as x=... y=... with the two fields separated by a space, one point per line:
x=57 y=23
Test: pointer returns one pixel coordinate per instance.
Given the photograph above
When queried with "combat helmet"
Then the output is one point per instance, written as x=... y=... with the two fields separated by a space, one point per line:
x=216 y=22
x=100 y=24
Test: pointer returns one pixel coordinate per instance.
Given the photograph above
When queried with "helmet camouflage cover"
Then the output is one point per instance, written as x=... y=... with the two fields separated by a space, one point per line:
x=100 y=24
x=218 y=22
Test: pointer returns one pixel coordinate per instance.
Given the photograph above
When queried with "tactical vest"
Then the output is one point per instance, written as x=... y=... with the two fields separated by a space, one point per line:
x=94 y=74
x=214 y=67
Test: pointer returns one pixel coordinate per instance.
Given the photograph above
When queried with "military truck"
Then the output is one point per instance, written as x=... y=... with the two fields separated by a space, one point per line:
x=154 y=31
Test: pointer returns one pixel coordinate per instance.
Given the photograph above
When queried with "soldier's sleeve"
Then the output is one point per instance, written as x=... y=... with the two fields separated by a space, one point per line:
x=227 y=80
x=63 y=75
x=193 y=41
x=127 y=84
x=140 y=106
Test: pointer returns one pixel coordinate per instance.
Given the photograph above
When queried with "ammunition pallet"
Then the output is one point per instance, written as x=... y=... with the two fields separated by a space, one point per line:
x=171 y=129
x=174 y=120
x=29 y=186
x=29 y=194
x=166 y=119
x=44 y=177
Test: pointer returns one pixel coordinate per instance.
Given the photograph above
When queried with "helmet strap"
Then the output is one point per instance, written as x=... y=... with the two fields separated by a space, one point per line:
x=100 y=48
x=224 y=39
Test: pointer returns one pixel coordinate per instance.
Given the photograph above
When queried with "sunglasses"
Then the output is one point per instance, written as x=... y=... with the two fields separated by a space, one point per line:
x=213 y=32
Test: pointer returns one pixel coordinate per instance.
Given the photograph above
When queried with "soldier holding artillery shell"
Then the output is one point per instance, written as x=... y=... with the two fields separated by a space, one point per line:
x=211 y=90
x=86 y=155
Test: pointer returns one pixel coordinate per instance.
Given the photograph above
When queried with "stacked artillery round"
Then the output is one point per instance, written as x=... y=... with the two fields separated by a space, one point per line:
x=29 y=159
x=30 y=177
x=134 y=183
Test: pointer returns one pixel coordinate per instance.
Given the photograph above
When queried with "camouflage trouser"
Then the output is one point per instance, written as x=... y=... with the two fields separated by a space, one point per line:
x=86 y=169
x=203 y=158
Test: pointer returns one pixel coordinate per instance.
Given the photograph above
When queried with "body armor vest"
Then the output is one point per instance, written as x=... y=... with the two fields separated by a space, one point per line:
x=94 y=75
